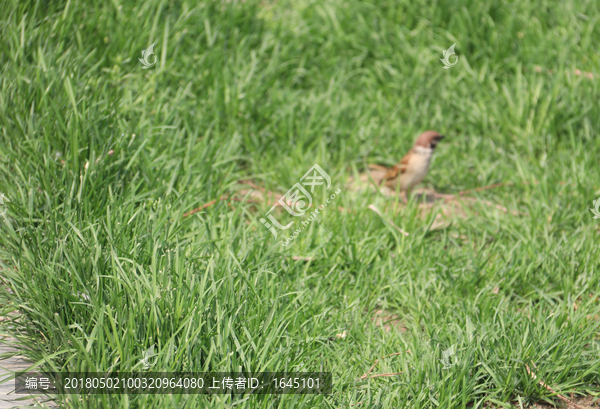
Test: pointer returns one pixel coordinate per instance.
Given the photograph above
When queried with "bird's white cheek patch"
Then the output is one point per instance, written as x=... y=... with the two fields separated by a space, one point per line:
x=421 y=150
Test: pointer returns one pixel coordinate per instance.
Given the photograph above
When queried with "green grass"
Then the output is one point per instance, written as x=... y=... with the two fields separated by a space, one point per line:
x=262 y=91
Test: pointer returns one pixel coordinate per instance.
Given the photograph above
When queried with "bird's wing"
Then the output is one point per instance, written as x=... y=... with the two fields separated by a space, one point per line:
x=398 y=169
x=377 y=167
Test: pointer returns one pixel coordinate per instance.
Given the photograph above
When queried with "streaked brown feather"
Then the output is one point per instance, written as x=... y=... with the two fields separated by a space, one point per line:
x=397 y=169
x=377 y=167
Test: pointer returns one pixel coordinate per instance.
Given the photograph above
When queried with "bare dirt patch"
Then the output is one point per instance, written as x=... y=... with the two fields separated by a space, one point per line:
x=387 y=321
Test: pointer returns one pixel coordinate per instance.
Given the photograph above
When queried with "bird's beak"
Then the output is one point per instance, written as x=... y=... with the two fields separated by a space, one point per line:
x=442 y=136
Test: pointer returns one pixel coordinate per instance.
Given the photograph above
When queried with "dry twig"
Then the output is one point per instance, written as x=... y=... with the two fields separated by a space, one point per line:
x=561 y=397
x=204 y=206
x=383 y=374
x=366 y=374
x=493 y=186
x=479 y=189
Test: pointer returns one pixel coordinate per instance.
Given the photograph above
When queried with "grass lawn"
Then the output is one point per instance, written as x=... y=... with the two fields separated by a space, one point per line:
x=100 y=159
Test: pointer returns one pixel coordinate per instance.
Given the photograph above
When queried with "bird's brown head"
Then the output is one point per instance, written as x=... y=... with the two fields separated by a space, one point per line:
x=429 y=139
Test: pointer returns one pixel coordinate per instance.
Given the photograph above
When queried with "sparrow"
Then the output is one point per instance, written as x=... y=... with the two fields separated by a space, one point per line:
x=413 y=167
